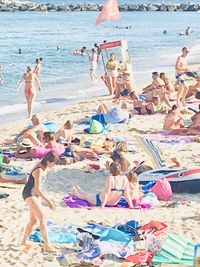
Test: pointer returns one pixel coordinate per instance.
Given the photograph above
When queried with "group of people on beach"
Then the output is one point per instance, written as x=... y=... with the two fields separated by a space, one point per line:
x=62 y=147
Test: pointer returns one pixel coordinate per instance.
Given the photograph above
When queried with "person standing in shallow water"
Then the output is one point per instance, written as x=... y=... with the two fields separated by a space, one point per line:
x=29 y=78
x=32 y=195
x=38 y=67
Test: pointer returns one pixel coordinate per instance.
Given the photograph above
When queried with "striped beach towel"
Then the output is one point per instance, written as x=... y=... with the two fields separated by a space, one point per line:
x=176 y=250
x=152 y=151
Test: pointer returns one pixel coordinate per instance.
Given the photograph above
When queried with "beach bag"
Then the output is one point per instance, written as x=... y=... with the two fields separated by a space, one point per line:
x=162 y=189
x=96 y=127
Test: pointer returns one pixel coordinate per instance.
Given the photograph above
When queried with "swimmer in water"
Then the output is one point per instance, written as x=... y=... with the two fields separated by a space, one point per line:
x=19 y=51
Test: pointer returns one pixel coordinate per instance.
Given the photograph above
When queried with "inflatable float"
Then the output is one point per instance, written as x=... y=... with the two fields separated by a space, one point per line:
x=182 y=180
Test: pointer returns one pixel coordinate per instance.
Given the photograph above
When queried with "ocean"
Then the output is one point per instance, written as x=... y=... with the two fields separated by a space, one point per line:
x=65 y=77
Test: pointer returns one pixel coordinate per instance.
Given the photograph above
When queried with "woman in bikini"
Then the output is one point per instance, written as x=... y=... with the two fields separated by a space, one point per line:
x=32 y=195
x=116 y=186
x=30 y=93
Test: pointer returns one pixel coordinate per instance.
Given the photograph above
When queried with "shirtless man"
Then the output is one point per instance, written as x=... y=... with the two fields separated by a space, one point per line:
x=181 y=69
x=194 y=90
x=173 y=120
x=30 y=93
x=156 y=88
x=123 y=84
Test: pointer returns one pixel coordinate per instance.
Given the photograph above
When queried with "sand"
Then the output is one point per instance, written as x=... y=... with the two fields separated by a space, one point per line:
x=14 y=214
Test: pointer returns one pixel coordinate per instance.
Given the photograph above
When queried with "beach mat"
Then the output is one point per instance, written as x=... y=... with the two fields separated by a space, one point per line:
x=152 y=151
x=75 y=202
x=175 y=250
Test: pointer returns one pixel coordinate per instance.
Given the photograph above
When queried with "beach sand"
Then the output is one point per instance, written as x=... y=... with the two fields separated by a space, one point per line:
x=14 y=213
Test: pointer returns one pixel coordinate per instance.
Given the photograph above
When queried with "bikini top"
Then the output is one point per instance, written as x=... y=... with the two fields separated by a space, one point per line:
x=119 y=190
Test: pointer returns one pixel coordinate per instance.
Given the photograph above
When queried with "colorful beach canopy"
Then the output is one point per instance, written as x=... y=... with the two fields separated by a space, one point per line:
x=110 y=11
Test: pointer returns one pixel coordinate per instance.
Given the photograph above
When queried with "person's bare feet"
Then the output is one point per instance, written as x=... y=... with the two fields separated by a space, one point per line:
x=49 y=248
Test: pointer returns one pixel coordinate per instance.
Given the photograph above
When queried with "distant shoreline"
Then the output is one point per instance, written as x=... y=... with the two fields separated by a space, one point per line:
x=15 y=6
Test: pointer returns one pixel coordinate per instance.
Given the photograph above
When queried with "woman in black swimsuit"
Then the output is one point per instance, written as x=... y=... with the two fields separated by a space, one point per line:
x=31 y=195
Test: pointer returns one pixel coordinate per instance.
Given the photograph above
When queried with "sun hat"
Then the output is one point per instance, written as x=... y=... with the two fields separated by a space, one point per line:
x=26 y=143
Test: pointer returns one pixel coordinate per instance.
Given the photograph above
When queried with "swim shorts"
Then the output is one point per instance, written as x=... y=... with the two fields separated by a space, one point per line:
x=180 y=79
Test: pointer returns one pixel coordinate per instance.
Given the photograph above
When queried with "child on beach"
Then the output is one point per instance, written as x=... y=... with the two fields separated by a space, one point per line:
x=32 y=194
x=135 y=190
x=65 y=133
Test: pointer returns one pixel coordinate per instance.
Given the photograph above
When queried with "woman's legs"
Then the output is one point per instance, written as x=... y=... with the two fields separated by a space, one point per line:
x=110 y=85
x=29 y=228
x=37 y=213
x=78 y=192
x=103 y=109
x=30 y=104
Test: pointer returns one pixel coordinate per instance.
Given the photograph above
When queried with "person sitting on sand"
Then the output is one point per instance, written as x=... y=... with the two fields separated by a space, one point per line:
x=65 y=133
x=112 y=115
x=157 y=87
x=116 y=186
x=194 y=90
x=192 y=129
x=135 y=191
x=143 y=107
x=168 y=85
x=173 y=120
x=32 y=193
x=119 y=158
x=123 y=85
x=34 y=133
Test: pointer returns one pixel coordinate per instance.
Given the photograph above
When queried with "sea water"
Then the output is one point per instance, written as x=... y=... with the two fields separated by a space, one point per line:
x=65 y=76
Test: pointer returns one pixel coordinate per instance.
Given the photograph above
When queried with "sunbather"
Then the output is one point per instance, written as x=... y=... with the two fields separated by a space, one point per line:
x=65 y=133
x=123 y=85
x=156 y=88
x=35 y=132
x=193 y=129
x=135 y=190
x=153 y=107
x=118 y=157
x=32 y=194
x=112 y=115
x=173 y=120
x=116 y=185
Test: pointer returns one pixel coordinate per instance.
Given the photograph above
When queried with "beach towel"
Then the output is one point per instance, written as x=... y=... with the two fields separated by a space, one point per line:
x=159 y=228
x=152 y=151
x=108 y=234
x=175 y=250
x=75 y=202
x=57 y=234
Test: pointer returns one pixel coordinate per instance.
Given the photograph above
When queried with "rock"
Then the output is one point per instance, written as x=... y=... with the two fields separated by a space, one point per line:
x=162 y=8
x=91 y=7
x=23 y=8
x=194 y=7
x=133 y=7
x=51 y=7
x=152 y=8
x=142 y=8
x=171 y=8
x=63 y=8
x=42 y=8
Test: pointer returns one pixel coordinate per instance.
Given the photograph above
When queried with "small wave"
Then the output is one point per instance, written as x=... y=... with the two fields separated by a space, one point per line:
x=14 y=108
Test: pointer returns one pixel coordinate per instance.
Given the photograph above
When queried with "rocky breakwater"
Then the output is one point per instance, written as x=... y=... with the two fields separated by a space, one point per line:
x=11 y=6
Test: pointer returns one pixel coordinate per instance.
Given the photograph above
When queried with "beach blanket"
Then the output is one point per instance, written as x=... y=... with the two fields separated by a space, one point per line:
x=170 y=137
x=153 y=151
x=75 y=202
x=57 y=234
x=175 y=250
